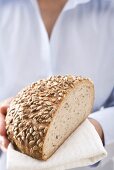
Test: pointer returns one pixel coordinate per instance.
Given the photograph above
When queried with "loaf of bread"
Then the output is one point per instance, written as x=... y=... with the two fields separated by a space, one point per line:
x=43 y=115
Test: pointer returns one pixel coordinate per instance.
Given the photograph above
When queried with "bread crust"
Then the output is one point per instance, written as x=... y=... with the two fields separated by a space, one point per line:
x=33 y=109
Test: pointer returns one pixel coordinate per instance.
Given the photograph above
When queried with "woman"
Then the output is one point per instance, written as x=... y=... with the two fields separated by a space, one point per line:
x=39 y=38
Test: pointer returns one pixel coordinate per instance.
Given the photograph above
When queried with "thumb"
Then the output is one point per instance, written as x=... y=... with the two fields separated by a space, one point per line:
x=5 y=105
x=3 y=109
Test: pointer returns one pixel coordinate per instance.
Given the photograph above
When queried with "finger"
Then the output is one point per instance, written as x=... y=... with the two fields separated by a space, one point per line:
x=4 y=105
x=2 y=125
x=4 y=142
x=1 y=144
x=3 y=109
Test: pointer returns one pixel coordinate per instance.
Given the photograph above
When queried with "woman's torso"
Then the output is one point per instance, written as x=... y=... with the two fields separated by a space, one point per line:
x=81 y=43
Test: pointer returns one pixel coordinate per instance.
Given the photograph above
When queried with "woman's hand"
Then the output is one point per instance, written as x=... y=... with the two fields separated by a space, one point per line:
x=3 y=111
x=98 y=128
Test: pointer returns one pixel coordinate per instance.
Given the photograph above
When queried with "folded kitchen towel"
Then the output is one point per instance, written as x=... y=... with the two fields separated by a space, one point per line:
x=82 y=148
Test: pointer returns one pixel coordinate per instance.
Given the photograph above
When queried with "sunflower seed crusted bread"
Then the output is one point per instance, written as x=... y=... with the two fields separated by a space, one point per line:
x=43 y=115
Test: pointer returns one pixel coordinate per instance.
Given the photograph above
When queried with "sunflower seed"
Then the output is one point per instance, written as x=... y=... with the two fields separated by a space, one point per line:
x=59 y=98
x=28 y=135
x=20 y=125
x=35 y=128
x=40 y=144
x=48 y=120
x=15 y=133
x=31 y=130
x=41 y=134
x=38 y=108
x=31 y=151
x=35 y=148
x=45 y=130
x=41 y=127
x=37 y=136
x=23 y=138
x=32 y=142
x=39 y=140
x=34 y=133
x=53 y=100
x=48 y=103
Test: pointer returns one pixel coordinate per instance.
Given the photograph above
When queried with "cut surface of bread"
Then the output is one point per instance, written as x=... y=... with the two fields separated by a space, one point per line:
x=43 y=115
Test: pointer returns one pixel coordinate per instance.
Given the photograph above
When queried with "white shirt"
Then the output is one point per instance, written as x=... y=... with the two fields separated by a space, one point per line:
x=81 y=43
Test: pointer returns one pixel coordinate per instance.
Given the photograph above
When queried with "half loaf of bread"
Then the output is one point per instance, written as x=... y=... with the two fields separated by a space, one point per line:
x=43 y=115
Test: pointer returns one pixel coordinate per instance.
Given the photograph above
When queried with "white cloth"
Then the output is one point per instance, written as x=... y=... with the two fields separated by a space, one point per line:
x=82 y=148
x=81 y=43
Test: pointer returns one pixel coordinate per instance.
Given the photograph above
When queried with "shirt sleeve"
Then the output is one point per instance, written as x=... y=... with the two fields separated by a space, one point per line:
x=110 y=101
x=106 y=118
